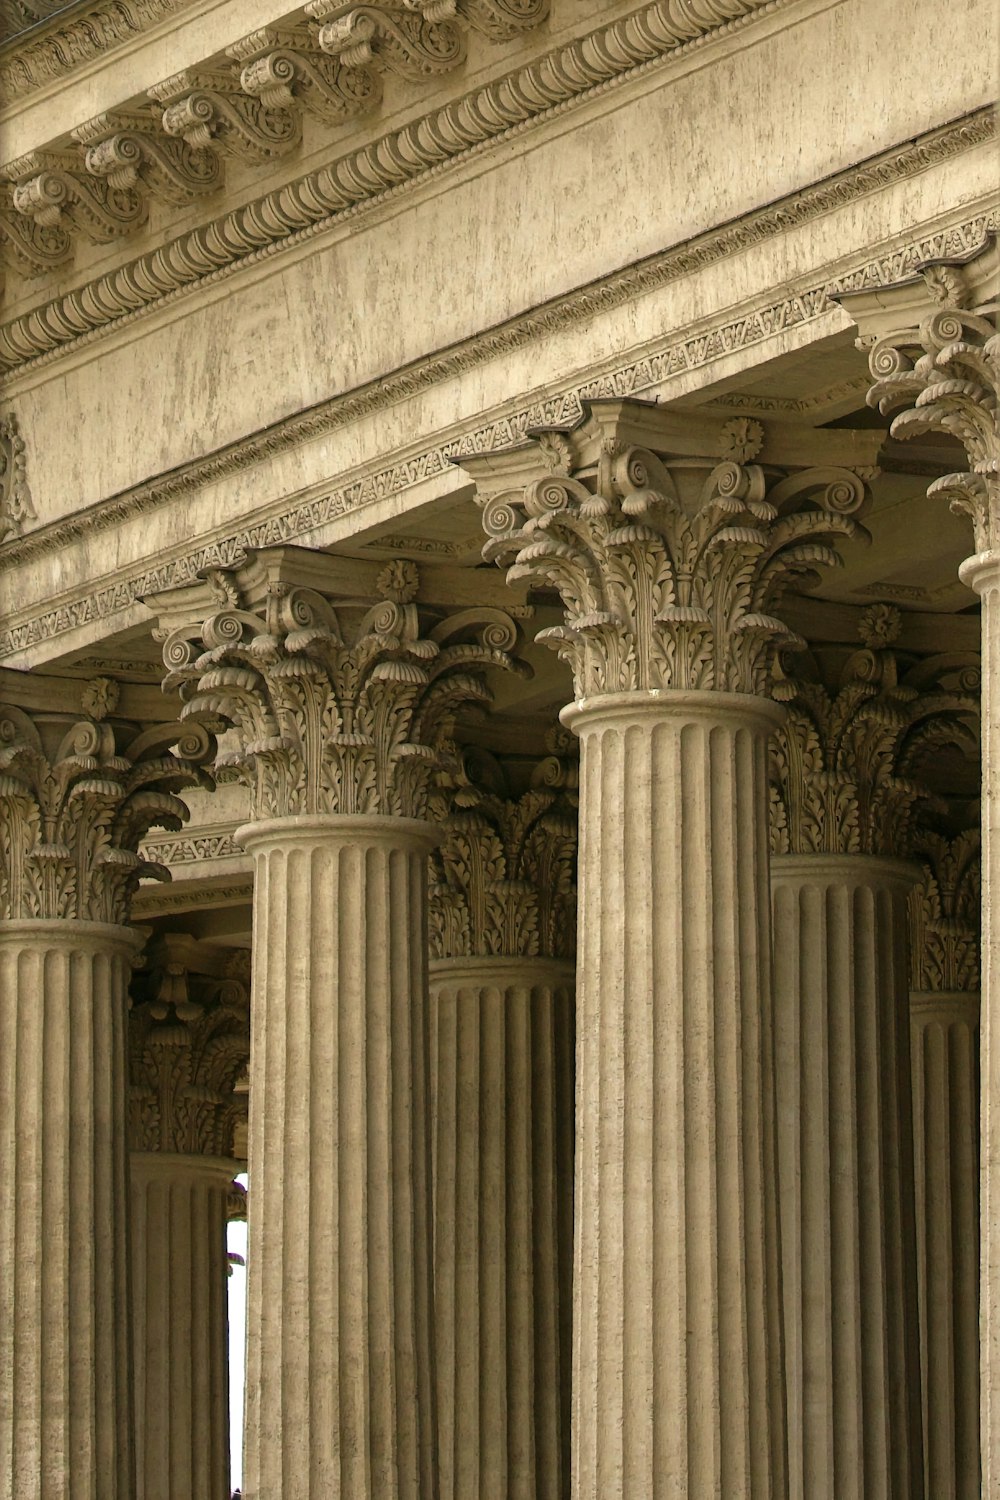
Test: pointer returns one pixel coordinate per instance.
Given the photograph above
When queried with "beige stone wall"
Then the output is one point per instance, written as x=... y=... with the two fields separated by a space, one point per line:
x=653 y=160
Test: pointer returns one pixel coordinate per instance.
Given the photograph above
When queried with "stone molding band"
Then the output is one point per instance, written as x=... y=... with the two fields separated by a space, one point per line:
x=582 y=304
x=304 y=519
x=298 y=210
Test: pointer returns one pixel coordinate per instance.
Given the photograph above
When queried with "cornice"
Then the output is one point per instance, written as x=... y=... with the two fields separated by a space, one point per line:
x=171 y=140
x=59 y=48
x=322 y=199
x=580 y=304
x=686 y=350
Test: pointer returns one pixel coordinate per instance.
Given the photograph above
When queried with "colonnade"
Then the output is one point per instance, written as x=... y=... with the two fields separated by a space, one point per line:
x=770 y=1295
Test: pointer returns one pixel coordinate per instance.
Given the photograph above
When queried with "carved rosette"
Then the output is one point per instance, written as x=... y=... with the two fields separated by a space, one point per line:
x=945 y=914
x=503 y=879
x=669 y=571
x=189 y=1044
x=77 y=796
x=344 y=709
x=845 y=769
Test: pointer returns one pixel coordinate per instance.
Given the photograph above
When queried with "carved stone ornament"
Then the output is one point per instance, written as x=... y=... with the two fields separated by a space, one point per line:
x=54 y=190
x=846 y=764
x=77 y=795
x=15 y=497
x=189 y=1044
x=945 y=374
x=945 y=914
x=503 y=879
x=331 y=706
x=668 y=567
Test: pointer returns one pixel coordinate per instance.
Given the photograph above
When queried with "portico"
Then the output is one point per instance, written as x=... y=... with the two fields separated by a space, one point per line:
x=498 y=739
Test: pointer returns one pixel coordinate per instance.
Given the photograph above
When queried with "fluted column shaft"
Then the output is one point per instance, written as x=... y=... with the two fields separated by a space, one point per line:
x=982 y=572
x=944 y=1033
x=180 y=1324
x=841 y=993
x=502 y=1091
x=676 y=1343
x=65 y=1417
x=339 y=1398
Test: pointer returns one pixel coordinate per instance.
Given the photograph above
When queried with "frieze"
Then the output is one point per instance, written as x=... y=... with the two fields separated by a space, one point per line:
x=193 y=849
x=299 y=210
x=303 y=519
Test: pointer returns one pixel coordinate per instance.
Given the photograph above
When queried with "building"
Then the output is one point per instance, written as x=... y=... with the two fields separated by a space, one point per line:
x=500 y=537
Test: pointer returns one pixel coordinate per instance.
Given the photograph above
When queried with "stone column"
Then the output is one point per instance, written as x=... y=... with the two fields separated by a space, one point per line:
x=189 y=1043
x=338 y=720
x=503 y=921
x=77 y=792
x=844 y=792
x=944 y=1029
x=944 y=376
x=668 y=564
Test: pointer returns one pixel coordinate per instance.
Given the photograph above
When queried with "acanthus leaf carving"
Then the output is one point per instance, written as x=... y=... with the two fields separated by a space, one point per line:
x=189 y=1046
x=53 y=190
x=333 y=707
x=945 y=913
x=669 y=569
x=411 y=40
x=210 y=109
x=945 y=375
x=132 y=152
x=284 y=67
x=847 y=765
x=503 y=878
x=77 y=795
x=27 y=245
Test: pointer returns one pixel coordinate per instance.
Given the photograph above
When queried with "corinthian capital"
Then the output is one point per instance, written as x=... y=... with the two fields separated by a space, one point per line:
x=945 y=914
x=78 y=793
x=935 y=361
x=189 y=1043
x=503 y=879
x=326 y=705
x=847 y=764
x=670 y=540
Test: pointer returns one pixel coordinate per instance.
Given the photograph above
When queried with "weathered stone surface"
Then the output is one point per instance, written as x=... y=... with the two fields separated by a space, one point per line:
x=65 y=1391
x=339 y=1395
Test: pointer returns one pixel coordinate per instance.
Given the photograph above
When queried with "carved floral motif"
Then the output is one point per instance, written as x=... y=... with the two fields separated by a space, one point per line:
x=946 y=376
x=189 y=1044
x=846 y=764
x=15 y=497
x=334 y=709
x=77 y=795
x=503 y=879
x=945 y=914
x=668 y=573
